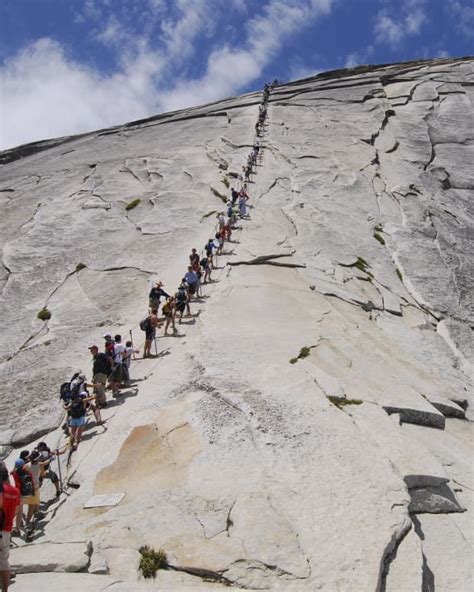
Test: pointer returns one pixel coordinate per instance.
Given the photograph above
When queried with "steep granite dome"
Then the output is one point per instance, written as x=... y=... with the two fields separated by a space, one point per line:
x=349 y=468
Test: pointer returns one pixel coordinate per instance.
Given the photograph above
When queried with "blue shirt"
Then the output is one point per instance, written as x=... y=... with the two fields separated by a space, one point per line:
x=191 y=277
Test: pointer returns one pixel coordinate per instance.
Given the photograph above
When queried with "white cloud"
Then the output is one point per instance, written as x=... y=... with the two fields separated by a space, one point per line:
x=463 y=15
x=357 y=58
x=392 y=31
x=45 y=93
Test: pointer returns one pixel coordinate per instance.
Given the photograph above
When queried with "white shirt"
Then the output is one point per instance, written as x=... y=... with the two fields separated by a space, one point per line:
x=119 y=348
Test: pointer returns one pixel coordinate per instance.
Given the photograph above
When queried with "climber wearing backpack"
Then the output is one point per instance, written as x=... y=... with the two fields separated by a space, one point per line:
x=24 y=483
x=149 y=325
x=169 y=312
x=77 y=409
x=182 y=300
x=101 y=369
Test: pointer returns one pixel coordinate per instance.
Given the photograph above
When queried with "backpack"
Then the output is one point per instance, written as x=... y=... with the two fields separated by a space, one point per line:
x=27 y=487
x=181 y=295
x=65 y=391
x=145 y=324
x=76 y=410
x=166 y=309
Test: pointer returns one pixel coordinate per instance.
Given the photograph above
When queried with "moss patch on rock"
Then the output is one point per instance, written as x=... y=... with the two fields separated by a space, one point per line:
x=44 y=314
x=133 y=204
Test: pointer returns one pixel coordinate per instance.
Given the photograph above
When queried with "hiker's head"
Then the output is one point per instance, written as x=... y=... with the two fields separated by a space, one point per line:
x=159 y=284
x=193 y=250
x=128 y=344
x=19 y=464
x=42 y=446
x=190 y=268
x=35 y=455
x=118 y=338
x=3 y=474
x=93 y=349
x=24 y=454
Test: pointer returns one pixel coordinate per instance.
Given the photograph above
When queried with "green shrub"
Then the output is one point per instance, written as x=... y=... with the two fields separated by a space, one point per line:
x=151 y=561
x=219 y=195
x=379 y=237
x=225 y=180
x=133 y=204
x=44 y=314
x=80 y=266
x=341 y=402
x=399 y=273
x=209 y=214
x=304 y=353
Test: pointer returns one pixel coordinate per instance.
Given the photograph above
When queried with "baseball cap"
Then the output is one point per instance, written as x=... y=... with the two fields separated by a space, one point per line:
x=93 y=346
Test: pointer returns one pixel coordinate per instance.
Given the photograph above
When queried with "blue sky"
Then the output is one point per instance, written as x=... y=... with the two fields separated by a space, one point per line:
x=69 y=66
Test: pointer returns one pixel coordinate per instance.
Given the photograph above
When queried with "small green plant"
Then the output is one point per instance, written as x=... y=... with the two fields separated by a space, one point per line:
x=225 y=180
x=379 y=237
x=219 y=195
x=133 y=204
x=44 y=314
x=47 y=342
x=80 y=266
x=399 y=273
x=360 y=263
x=209 y=214
x=304 y=353
x=151 y=561
x=341 y=402
x=378 y=228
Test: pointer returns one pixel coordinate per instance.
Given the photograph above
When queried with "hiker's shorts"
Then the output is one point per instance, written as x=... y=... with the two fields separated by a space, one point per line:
x=4 y=551
x=31 y=500
x=99 y=391
x=77 y=422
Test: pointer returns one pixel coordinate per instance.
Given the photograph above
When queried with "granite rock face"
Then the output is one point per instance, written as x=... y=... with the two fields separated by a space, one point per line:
x=347 y=469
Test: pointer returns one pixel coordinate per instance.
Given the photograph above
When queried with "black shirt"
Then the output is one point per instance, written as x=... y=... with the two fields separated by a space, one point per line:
x=101 y=364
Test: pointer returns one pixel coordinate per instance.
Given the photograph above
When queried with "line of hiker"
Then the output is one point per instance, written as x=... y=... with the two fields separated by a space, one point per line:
x=83 y=400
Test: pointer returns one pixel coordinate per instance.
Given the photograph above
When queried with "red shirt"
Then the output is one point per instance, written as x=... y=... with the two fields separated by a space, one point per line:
x=11 y=499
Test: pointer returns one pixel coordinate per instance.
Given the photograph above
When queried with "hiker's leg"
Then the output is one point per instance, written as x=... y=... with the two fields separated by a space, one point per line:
x=100 y=379
x=19 y=516
x=79 y=431
x=52 y=476
x=96 y=412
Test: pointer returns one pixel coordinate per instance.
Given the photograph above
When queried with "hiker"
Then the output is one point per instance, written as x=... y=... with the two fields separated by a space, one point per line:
x=243 y=205
x=220 y=221
x=9 y=501
x=182 y=300
x=46 y=457
x=77 y=409
x=127 y=360
x=119 y=373
x=24 y=483
x=156 y=293
x=235 y=195
x=109 y=349
x=194 y=259
x=35 y=470
x=169 y=312
x=149 y=325
x=220 y=238
x=209 y=248
x=192 y=280
x=101 y=369
x=206 y=269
